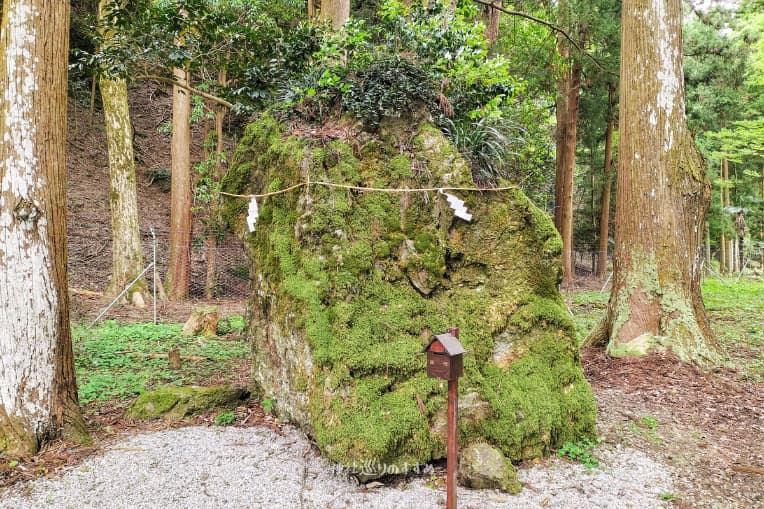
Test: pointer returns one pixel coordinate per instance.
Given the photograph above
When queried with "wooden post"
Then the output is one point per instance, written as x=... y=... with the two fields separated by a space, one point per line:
x=453 y=447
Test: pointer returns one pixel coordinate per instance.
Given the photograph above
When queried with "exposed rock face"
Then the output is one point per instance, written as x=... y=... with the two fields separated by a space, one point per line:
x=348 y=284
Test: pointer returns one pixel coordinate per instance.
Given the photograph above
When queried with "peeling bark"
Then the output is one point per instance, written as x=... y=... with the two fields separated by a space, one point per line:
x=662 y=197
x=38 y=393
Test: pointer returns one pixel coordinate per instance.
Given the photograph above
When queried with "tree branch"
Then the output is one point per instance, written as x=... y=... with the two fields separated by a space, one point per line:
x=550 y=26
x=162 y=79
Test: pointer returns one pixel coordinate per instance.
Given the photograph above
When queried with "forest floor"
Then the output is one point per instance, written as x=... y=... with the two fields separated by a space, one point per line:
x=706 y=427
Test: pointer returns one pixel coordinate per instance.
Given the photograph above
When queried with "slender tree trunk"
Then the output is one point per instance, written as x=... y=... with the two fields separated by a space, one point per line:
x=662 y=198
x=606 y=188
x=493 y=20
x=179 y=264
x=566 y=206
x=311 y=9
x=727 y=253
x=562 y=124
x=38 y=392
x=127 y=252
x=210 y=282
x=337 y=11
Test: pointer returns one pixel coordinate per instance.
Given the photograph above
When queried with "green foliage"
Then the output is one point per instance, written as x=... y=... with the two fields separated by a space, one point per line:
x=258 y=43
x=225 y=418
x=488 y=144
x=427 y=57
x=670 y=497
x=581 y=451
x=115 y=361
x=650 y=422
x=387 y=88
x=268 y=406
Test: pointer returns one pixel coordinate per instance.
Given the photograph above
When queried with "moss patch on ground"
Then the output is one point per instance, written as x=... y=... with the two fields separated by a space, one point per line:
x=176 y=403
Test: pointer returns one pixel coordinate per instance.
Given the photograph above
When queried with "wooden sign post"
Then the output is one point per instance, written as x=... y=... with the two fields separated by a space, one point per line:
x=444 y=360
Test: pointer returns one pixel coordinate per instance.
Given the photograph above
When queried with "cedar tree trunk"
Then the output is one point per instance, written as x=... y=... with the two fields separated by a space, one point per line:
x=661 y=201
x=606 y=189
x=38 y=392
x=178 y=270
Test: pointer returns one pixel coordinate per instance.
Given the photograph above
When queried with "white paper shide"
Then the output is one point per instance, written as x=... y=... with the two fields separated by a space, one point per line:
x=457 y=205
x=252 y=215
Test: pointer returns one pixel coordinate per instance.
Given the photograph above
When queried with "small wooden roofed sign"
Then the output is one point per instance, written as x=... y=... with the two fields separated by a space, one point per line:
x=444 y=357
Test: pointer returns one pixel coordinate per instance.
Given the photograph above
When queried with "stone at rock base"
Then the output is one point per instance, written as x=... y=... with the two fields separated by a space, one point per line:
x=472 y=411
x=484 y=467
x=177 y=403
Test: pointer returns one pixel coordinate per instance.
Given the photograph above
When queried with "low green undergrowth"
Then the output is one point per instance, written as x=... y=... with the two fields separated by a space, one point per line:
x=118 y=361
x=581 y=451
x=735 y=309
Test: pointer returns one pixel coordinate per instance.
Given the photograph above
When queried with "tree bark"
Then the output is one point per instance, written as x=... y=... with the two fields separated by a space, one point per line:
x=492 y=23
x=127 y=252
x=606 y=188
x=337 y=11
x=38 y=392
x=568 y=170
x=662 y=197
x=210 y=282
x=178 y=270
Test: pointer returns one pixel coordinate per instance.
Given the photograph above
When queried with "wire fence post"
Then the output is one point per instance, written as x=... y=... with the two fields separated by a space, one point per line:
x=154 y=258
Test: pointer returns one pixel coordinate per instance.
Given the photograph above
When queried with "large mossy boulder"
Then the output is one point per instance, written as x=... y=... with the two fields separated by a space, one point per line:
x=348 y=285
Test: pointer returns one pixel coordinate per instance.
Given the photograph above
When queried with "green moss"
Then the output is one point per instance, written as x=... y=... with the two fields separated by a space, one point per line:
x=175 y=403
x=400 y=167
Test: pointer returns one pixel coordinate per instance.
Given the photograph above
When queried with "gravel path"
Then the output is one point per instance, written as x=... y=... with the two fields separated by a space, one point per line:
x=209 y=468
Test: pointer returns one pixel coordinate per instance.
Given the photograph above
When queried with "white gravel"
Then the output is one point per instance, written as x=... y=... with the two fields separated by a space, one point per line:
x=208 y=468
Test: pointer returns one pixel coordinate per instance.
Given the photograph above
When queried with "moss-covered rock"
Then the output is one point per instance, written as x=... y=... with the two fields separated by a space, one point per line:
x=348 y=285
x=485 y=468
x=176 y=403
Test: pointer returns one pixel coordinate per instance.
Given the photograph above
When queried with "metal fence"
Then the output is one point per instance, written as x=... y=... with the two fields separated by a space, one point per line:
x=90 y=267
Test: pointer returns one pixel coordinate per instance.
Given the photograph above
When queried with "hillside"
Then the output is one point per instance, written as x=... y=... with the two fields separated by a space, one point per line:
x=89 y=226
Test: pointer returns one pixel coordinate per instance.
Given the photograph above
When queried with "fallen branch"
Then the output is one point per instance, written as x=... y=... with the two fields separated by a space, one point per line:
x=748 y=469
x=85 y=293
x=163 y=356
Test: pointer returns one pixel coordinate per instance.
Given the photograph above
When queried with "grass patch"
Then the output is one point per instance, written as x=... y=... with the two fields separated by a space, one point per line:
x=736 y=312
x=117 y=362
x=588 y=309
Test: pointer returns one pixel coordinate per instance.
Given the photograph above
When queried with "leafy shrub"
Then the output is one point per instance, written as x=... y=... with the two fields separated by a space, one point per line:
x=387 y=88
